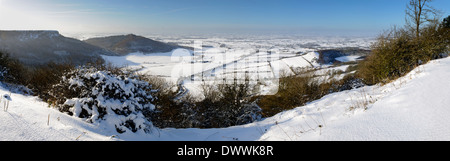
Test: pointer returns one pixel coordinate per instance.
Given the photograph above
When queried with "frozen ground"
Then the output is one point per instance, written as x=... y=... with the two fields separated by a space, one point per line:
x=415 y=107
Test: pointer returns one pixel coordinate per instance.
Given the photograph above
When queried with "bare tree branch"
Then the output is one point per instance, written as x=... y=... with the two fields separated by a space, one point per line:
x=418 y=12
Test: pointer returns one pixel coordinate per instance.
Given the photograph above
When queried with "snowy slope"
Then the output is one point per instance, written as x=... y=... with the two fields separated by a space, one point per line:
x=27 y=119
x=415 y=107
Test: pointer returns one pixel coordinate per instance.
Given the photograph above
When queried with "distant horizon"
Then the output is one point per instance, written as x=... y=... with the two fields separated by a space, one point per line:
x=86 y=35
x=221 y=34
x=203 y=17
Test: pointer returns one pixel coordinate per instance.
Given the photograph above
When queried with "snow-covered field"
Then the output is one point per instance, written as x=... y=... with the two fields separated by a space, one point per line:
x=218 y=65
x=414 y=107
x=261 y=59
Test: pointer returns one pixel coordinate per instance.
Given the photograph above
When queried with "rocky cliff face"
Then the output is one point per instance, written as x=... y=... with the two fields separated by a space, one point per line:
x=39 y=47
x=125 y=44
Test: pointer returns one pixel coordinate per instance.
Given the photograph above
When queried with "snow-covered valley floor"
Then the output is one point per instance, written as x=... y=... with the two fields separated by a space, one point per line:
x=414 y=107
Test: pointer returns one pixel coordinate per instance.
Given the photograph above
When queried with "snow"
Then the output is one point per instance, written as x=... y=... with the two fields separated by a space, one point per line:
x=27 y=117
x=296 y=62
x=216 y=63
x=347 y=58
x=414 y=107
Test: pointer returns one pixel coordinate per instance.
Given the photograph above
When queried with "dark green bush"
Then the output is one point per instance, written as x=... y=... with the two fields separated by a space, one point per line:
x=446 y=22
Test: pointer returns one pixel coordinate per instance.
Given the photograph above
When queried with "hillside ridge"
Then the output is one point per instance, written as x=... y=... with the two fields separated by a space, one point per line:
x=131 y=43
x=37 y=47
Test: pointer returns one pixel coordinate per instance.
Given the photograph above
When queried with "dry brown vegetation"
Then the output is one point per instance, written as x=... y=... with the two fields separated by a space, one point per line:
x=297 y=90
x=398 y=51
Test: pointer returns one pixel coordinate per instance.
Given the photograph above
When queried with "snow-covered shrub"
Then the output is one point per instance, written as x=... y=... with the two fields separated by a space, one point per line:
x=117 y=98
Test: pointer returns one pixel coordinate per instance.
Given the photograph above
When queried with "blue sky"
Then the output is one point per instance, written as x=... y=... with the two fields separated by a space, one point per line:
x=185 y=16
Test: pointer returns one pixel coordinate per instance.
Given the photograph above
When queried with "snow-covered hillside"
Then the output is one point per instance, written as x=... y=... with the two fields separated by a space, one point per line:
x=414 y=107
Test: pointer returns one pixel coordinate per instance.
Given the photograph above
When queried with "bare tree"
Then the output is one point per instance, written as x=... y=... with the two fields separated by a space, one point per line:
x=419 y=12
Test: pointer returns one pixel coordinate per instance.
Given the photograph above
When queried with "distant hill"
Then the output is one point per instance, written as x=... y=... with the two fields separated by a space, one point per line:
x=125 y=44
x=39 y=47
